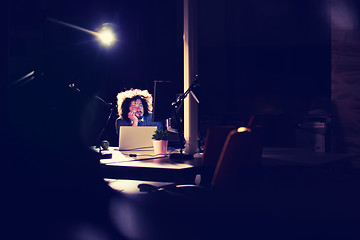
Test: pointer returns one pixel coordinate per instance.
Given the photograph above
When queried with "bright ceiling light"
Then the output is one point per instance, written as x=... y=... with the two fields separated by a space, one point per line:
x=106 y=36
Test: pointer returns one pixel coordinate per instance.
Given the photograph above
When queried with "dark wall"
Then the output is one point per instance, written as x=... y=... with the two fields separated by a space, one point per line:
x=269 y=58
x=149 y=48
x=345 y=50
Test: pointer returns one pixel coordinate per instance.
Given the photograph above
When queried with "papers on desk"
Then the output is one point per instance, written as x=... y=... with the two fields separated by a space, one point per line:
x=143 y=159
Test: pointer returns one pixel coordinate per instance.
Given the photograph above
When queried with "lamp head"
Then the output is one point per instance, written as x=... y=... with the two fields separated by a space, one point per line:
x=106 y=34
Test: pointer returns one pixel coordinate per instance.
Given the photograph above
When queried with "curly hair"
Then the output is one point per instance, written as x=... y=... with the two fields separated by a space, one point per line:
x=125 y=98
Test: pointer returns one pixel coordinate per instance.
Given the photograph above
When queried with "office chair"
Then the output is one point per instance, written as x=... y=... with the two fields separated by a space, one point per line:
x=242 y=150
x=214 y=143
x=227 y=152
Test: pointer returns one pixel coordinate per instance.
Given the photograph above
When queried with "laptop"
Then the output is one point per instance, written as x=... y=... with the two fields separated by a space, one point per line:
x=136 y=138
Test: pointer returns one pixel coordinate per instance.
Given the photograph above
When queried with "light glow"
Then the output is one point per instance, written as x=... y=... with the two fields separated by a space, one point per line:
x=106 y=36
x=243 y=129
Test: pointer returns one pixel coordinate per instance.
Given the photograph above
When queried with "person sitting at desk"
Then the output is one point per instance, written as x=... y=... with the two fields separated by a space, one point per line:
x=135 y=109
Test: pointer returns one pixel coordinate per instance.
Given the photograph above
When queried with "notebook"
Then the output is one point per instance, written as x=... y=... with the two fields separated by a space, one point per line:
x=136 y=138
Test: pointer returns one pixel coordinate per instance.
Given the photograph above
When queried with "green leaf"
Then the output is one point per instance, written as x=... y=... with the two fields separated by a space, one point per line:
x=160 y=135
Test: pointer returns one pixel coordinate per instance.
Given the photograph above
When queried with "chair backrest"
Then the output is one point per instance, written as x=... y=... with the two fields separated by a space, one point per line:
x=214 y=142
x=242 y=148
x=215 y=139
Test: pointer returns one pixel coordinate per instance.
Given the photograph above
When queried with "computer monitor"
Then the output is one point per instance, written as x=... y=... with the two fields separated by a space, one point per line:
x=164 y=95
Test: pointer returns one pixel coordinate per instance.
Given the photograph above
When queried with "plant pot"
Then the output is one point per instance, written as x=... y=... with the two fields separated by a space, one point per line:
x=160 y=146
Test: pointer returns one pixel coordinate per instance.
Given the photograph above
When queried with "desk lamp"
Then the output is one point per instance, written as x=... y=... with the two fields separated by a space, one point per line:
x=176 y=106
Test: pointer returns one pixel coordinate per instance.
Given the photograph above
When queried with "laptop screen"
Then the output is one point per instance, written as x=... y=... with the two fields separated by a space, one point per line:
x=136 y=138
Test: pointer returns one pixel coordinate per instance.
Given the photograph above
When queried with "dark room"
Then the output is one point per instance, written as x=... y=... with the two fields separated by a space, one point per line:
x=181 y=119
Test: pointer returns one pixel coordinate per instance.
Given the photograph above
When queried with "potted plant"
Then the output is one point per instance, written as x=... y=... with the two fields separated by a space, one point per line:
x=160 y=140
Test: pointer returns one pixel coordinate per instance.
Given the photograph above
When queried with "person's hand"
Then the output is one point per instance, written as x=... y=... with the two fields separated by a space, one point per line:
x=133 y=118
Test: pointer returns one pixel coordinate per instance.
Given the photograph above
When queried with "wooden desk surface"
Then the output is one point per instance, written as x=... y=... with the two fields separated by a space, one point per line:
x=147 y=166
x=146 y=159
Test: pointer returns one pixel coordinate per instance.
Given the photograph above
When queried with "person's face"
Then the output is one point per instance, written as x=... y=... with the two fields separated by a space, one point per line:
x=137 y=108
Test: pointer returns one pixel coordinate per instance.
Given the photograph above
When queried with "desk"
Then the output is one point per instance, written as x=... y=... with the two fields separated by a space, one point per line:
x=275 y=156
x=299 y=167
x=146 y=166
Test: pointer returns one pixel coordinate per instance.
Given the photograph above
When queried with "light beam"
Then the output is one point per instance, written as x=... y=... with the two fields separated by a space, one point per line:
x=106 y=35
x=73 y=26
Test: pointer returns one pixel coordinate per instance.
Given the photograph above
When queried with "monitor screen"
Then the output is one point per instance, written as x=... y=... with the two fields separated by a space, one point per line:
x=164 y=96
